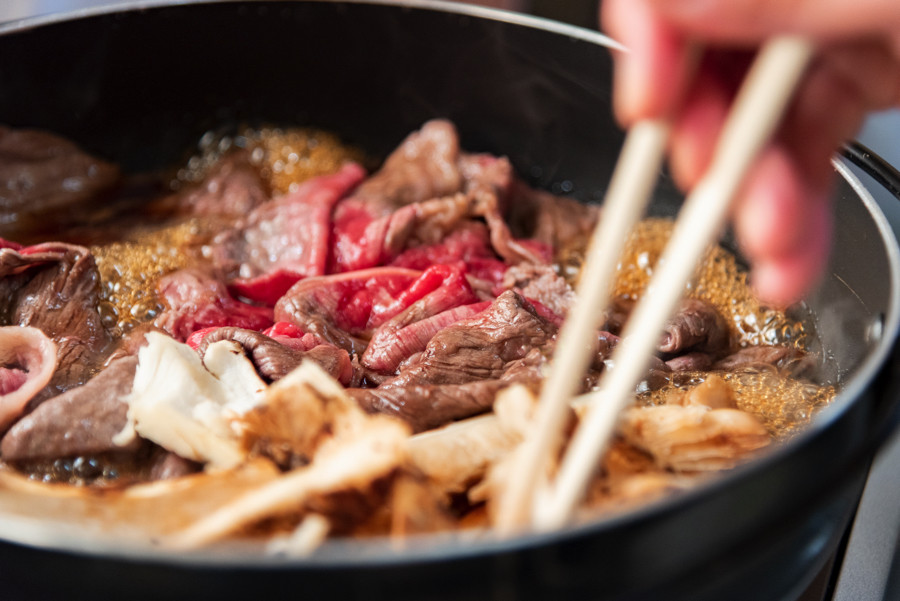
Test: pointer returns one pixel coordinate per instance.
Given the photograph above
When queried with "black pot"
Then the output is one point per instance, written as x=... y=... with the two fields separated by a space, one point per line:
x=140 y=86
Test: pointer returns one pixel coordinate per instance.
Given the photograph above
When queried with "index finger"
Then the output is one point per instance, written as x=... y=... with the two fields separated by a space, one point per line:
x=651 y=77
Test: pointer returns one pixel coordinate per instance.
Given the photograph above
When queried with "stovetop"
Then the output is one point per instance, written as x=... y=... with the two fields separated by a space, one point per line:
x=870 y=568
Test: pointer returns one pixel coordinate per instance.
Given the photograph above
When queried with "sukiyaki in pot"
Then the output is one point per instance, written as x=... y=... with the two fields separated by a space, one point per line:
x=154 y=110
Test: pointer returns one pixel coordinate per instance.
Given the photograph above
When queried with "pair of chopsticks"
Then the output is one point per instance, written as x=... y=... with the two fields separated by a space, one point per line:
x=754 y=116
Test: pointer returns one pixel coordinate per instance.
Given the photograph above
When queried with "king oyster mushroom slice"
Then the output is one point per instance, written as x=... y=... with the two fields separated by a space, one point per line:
x=187 y=407
x=348 y=451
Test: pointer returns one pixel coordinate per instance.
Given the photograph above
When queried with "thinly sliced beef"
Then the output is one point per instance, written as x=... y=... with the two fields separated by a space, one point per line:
x=27 y=362
x=697 y=326
x=425 y=406
x=397 y=340
x=337 y=308
x=55 y=288
x=488 y=180
x=440 y=287
x=425 y=191
x=478 y=349
x=468 y=245
x=384 y=238
x=46 y=181
x=232 y=188
x=81 y=421
x=285 y=239
x=274 y=360
x=695 y=361
x=543 y=284
x=195 y=300
x=423 y=167
x=557 y=222
x=791 y=360
x=693 y=338
x=290 y=335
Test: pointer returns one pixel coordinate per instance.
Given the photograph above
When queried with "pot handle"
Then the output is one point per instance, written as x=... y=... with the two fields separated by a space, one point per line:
x=874 y=166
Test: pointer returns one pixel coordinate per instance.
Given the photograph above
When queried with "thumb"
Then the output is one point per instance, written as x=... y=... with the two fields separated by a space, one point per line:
x=752 y=20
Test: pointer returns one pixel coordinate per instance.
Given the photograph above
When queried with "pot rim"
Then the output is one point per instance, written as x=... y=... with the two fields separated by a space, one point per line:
x=448 y=6
x=427 y=548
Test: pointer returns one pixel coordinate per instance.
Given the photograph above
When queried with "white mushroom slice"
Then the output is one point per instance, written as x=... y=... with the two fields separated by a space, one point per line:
x=714 y=392
x=693 y=438
x=180 y=405
x=354 y=463
x=300 y=412
x=227 y=362
x=27 y=362
x=459 y=454
x=348 y=452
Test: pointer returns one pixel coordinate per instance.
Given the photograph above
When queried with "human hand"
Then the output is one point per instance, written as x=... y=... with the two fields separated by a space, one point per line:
x=783 y=217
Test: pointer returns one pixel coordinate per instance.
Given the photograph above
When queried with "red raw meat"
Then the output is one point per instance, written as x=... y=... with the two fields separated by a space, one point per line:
x=290 y=335
x=197 y=337
x=468 y=246
x=423 y=167
x=287 y=238
x=196 y=300
x=390 y=346
x=11 y=379
x=439 y=288
x=9 y=244
x=337 y=308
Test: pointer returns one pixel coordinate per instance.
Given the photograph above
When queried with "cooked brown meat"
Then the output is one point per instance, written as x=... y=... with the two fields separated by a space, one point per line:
x=274 y=360
x=233 y=187
x=81 y=421
x=488 y=180
x=56 y=288
x=543 y=284
x=46 y=181
x=797 y=362
x=560 y=223
x=694 y=361
x=463 y=365
x=424 y=405
x=696 y=326
x=424 y=166
x=404 y=336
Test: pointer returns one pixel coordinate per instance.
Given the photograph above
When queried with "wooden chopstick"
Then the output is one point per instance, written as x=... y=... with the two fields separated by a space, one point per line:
x=755 y=115
x=753 y=118
x=626 y=199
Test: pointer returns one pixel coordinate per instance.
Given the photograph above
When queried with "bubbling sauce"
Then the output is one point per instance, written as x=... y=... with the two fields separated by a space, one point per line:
x=781 y=403
x=286 y=157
